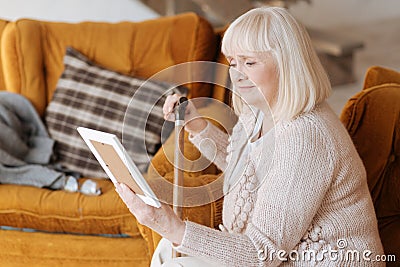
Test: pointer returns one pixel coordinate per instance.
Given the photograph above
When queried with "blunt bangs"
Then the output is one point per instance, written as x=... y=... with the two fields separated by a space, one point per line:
x=248 y=33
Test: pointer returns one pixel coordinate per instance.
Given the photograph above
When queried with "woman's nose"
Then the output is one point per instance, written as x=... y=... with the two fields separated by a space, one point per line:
x=236 y=74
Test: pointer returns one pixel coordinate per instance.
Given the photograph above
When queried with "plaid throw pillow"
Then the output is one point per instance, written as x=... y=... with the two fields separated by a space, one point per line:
x=92 y=96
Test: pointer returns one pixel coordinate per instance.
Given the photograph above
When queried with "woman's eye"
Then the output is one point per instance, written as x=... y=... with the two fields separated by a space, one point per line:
x=250 y=63
x=232 y=65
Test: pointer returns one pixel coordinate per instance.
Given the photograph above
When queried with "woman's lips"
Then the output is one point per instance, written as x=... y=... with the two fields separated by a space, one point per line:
x=245 y=88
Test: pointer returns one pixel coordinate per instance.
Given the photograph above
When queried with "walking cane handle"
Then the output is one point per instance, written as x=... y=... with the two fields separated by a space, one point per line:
x=180 y=108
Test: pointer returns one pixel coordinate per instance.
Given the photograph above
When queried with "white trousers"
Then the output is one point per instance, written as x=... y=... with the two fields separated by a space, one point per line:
x=162 y=257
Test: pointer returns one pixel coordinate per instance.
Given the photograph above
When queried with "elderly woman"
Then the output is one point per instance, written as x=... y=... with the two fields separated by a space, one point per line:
x=295 y=187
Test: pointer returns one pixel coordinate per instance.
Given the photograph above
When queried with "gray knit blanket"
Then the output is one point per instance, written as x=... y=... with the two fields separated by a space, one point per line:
x=26 y=150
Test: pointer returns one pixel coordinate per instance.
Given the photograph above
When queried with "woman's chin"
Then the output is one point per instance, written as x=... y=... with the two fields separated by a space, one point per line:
x=248 y=94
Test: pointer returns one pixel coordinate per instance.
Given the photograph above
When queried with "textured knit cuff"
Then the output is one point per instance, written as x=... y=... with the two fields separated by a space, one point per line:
x=196 y=138
x=196 y=239
x=217 y=247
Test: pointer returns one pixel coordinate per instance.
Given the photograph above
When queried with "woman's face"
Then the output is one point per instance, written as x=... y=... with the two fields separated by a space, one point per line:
x=254 y=77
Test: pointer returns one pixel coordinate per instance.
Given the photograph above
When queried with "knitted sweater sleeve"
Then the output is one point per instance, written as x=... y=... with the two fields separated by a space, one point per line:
x=212 y=143
x=288 y=199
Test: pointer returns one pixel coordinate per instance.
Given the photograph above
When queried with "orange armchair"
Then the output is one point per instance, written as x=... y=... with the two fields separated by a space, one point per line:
x=372 y=118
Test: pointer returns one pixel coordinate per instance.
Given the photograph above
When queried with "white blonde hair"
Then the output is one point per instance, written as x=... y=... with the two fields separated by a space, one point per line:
x=303 y=82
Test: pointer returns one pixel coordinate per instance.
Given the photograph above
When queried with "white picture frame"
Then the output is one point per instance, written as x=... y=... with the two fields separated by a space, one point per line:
x=117 y=164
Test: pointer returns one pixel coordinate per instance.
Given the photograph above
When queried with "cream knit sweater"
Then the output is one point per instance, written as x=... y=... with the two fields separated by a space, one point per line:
x=302 y=199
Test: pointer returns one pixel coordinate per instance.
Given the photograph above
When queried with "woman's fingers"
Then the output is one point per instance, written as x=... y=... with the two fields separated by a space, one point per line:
x=127 y=192
x=131 y=200
x=168 y=108
x=194 y=122
x=169 y=104
x=163 y=220
x=145 y=214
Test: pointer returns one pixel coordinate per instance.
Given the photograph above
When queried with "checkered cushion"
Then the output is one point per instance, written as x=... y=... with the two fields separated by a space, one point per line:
x=92 y=96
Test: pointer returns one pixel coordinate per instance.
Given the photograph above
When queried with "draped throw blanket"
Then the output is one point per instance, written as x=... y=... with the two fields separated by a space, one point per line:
x=26 y=150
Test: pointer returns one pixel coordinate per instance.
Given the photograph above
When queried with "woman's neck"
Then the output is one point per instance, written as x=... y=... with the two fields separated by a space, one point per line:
x=268 y=122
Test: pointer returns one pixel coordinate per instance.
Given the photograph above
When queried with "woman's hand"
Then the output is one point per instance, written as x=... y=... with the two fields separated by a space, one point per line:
x=194 y=122
x=162 y=220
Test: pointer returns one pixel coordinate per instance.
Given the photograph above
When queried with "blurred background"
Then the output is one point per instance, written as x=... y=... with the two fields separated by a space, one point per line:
x=349 y=35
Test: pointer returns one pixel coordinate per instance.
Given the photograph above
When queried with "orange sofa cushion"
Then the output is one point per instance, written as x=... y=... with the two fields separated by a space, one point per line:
x=60 y=211
x=43 y=249
x=32 y=51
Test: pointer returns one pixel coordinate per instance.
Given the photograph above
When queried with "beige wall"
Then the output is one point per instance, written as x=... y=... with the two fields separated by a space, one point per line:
x=324 y=14
x=76 y=10
x=319 y=14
